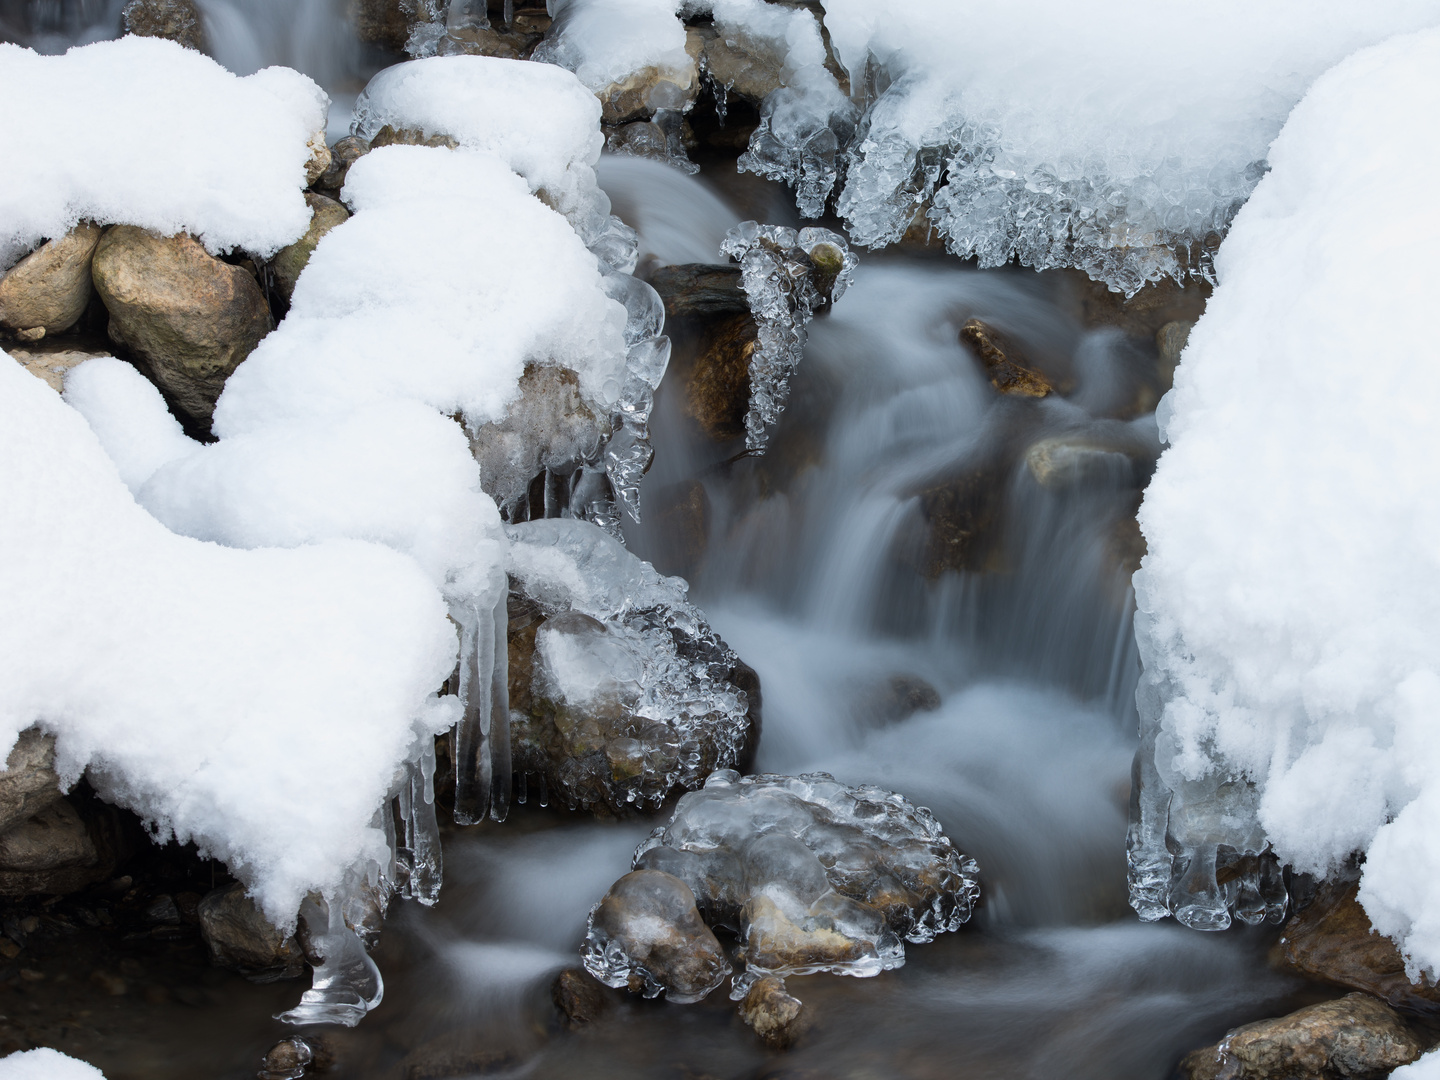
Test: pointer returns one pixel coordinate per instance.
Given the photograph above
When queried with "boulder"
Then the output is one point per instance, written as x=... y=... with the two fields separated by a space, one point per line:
x=776 y=1016
x=51 y=361
x=647 y=936
x=1355 y=1038
x=383 y=22
x=50 y=853
x=343 y=154
x=1005 y=365
x=49 y=288
x=746 y=68
x=242 y=939
x=289 y=261
x=29 y=783
x=175 y=20
x=191 y=317
x=580 y=999
x=1331 y=940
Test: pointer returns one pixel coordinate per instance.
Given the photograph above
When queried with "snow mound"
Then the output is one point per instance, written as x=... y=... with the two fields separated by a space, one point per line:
x=45 y=1064
x=130 y=132
x=1290 y=601
x=255 y=702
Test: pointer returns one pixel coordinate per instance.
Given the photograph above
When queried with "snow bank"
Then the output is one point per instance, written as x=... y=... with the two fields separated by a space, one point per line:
x=142 y=132
x=46 y=1065
x=1088 y=134
x=255 y=702
x=1290 y=601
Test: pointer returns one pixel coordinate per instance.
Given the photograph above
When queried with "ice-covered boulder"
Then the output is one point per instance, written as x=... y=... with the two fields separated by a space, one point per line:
x=620 y=691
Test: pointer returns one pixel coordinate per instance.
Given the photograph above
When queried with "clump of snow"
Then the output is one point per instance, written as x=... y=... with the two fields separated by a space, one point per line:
x=255 y=702
x=129 y=132
x=607 y=41
x=46 y=1064
x=1290 y=601
x=129 y=417
x=1113 y=137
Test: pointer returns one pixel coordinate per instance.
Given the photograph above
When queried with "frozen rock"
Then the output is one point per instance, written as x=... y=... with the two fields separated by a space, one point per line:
x=775 y=1015
x=1355 y=1038
x=290 y=260
x=240 y=937
x=29 y=783
x=787 y=277
x=620 y=691
x=647 y=936
x=50 y=287
x=176 y=20
x=188 y=315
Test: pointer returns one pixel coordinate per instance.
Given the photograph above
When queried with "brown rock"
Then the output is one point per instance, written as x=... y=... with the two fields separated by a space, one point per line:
x=775 y=1015
x=241 y=938
x=639 y=94
x=325 y=214
x=343 y=154
x=383 y=22
x=191 y=317
x=1356 y=1037
x=1063 y=462
x=699 y=290
x=775 y=941
x=29 y=783
x=717 y=392
x=175 y=20
x=319 y=161
x=1003 y=361
x=962 y=519
x=49 y=853
x=393 y=136
x=679 y=522
x=1144 y=313
x=580 y=997
x=49 y=288
x=1332 y=940
x=51 y=361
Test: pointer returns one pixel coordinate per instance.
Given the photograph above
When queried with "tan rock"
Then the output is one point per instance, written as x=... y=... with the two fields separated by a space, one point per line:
x=49 y=288
x=1355 y=1038
x=775 y=1015
x=1004 y=363
x=175 y=20
x=1062 y=462
x=774 y=941
x=325 y=214
x=319 y=160
x=50 y=363
x=390 y=135
x=29 y=783
x=189 y=316
x=241 y=938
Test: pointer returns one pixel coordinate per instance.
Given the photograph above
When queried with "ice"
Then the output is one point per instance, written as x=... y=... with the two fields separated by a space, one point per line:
x=148 y=109
x=346 y=984
x=1290 y=600
x=608 y=41
x=811 y=874
x=787 y=276
x=633 y=690
x=46 y=1064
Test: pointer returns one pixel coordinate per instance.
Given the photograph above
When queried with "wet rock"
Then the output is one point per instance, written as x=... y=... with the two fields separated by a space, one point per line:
x=174 y=20
x=295 y=1057
x=494 y=40
x=1356 y=1037
x=51 y=361
x=550 y=427
x=679 y=519
x=897 y=698
x=1141 y=316
x=1005 y=365
x=775 y=1015
x=1332 y=940
x=29 y=783
x=343 y=154
x=289 y=261
x=699 y=290
x=241 y=938
x=189 y=316
x=580 y=999
x=620 y=691
x=1064 y=462
x=647 y=936
x=50 y=853
x=1170 y=342
x=746 y=68
x=962 y=518
x=49 y=288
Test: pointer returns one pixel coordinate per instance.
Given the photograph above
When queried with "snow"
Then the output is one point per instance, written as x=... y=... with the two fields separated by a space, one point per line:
x=1290 y=601
x=1426 y=1068
x=148 y=109
x=607 y=41
x=255 y=702
x=46 y=1064
x=128 y=416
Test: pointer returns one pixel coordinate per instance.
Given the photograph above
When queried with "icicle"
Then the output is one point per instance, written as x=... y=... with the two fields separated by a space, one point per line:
x=509 y=15
x=346 y=984
x=499 y=714
x=469 y=738
x=422 y=832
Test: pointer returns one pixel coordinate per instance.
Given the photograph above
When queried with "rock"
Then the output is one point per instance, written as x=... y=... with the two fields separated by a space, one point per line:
x=1170 y=342
x=241 y=938
x=549 y=427
x=641 y=93
x=51 y=361
x=1331 y=940
x=897 y=698
x=962 y=519
x=319 y=161
x=1064 y=462
x=343 y=154
x=175 y=20
x=647 y=936
x=1004 y=362
x=393 y=136
x=383 y=22
x=51 y=852
x=699 y=290
x=579 y=997
x=29 y=783
x=777 y=940
x=1141 y=316
x=1356 y=1037
x=189 y=316
x=678 y=519
x=746 y=68
x=289 y=261
x=49 y=288
x=772 y=1012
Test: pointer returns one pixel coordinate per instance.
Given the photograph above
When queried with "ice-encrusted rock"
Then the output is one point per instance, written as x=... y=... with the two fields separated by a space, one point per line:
x=811 y=874
x=49 y=288
x=787 y=276
x=620 y=691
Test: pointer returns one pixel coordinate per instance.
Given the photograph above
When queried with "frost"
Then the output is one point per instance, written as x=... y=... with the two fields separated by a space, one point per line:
x=787 y=276
x=148 y=109
x=1290 y=600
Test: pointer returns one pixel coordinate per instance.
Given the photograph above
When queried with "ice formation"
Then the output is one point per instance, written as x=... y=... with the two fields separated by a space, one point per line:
x=1290 y=602
x=148 y=109
x=811 y=875
x=46 y=1064
x=787 y=276
x=632 y=692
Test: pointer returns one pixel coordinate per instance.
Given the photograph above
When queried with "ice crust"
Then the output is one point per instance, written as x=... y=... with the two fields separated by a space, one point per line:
x=46 y=1064
x=1290 y=602
x=147 y=109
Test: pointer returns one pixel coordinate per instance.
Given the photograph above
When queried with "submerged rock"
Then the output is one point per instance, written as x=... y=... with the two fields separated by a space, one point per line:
x=1063 y=462
x=49 y=288
x=1355 y=1038
x=620 y=691
x=242 y=939
x=191 y=317
x=1005 y=365
x=289 y=261
x=29 y=783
